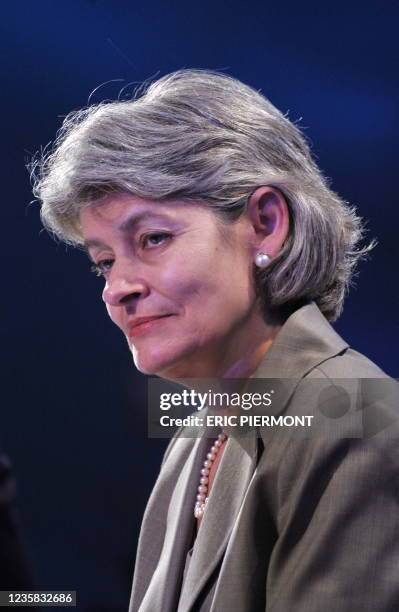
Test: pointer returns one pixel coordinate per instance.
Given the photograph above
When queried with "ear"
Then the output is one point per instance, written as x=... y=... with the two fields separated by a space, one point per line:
x=270 y=220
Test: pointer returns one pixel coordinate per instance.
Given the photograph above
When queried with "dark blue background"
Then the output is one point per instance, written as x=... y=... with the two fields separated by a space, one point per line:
x=73 y=407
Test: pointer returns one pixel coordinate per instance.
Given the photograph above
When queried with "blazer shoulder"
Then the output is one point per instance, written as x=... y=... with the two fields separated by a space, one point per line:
x=350 y=364
x=359 y=389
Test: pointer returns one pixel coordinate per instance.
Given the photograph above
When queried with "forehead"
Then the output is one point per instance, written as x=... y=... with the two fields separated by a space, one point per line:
x=116 y=209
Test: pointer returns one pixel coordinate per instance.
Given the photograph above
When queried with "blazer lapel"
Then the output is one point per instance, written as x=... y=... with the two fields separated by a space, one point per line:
x=167 y=530
x=228 y=491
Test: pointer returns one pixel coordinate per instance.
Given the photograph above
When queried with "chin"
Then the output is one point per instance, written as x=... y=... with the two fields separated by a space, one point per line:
x=168 y=366
x=152 y=364
x=151 y=368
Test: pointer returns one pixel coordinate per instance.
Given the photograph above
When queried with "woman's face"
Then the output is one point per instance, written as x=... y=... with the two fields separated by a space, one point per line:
x=173 y=262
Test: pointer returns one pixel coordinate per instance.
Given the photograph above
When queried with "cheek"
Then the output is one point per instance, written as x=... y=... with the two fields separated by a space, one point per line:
x=192 y=289
x=201 y=284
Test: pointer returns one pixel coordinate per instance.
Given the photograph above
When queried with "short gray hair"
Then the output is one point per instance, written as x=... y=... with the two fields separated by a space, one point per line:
x=197 y=135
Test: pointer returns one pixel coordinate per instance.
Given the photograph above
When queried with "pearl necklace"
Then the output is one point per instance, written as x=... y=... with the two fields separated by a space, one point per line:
x=202 y=496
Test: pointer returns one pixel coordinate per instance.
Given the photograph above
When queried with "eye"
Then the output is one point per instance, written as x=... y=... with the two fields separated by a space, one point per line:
x=102 y=267
x=154 y=239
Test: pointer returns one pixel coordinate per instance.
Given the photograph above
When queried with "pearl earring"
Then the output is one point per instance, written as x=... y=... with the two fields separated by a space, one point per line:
x=262 y=260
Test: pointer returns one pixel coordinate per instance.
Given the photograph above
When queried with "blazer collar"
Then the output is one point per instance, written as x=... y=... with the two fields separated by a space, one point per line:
x=305 y=340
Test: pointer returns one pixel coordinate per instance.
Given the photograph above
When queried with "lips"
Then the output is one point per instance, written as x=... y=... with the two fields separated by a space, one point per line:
x=144 y=324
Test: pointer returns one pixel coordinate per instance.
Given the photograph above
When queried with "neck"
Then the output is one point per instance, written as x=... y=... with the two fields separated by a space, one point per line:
x=239 y=357
x=246 y=365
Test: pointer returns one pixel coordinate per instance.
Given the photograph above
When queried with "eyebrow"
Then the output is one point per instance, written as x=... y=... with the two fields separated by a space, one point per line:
x=128 y=224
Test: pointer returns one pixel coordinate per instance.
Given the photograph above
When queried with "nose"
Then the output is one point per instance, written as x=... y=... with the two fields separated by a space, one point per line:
x=123 y=285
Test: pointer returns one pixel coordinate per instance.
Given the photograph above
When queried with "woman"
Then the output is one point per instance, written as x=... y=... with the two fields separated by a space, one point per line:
x=226 y=256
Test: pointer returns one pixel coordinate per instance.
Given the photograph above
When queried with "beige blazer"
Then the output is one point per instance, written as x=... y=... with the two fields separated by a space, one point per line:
x=293 y=524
